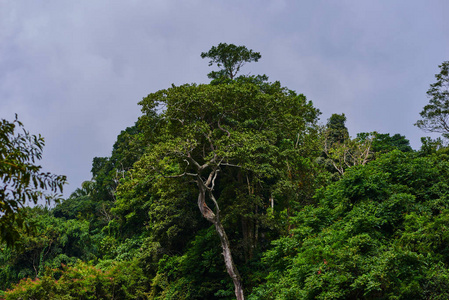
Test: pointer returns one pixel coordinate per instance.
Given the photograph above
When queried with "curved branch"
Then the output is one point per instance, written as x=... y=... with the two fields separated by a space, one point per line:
x=221 y=128
x=202 y=205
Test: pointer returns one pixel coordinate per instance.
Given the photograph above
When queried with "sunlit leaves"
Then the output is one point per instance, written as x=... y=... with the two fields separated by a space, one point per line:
x=233 y=121
x=123 y=280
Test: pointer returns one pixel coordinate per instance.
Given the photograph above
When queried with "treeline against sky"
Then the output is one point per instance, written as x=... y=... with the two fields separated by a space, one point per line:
x=234 y=190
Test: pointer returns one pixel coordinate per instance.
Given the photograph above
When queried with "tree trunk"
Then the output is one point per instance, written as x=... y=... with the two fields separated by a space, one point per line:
x=230 y=266
x=249 y=237
x=227 y=256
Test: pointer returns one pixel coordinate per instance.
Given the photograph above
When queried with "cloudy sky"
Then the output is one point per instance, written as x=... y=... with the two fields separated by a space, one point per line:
x=74 y=70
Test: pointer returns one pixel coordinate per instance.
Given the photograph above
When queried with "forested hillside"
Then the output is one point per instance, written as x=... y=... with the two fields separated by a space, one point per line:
x=233 y=190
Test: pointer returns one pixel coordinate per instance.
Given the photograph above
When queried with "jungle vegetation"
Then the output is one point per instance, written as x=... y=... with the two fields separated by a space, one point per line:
x=233 y=190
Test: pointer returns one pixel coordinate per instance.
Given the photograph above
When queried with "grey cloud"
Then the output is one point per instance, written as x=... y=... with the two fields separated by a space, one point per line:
x=75 y=70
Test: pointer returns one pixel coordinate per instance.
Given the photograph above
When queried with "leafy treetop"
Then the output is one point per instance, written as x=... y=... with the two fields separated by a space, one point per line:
x=336 y=129
x=435 y=115
x=207 y=130
x=230 y=58
x=21 y=180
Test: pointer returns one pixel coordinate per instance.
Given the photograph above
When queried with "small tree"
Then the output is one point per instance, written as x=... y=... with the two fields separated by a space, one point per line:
x=336 y=131
x=341 y=151
x=230 y=58
x=435 y=115
x=352 y=152
x=21 y=179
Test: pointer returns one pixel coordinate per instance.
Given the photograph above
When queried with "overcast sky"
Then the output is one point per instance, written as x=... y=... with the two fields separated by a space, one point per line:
x=74 y=70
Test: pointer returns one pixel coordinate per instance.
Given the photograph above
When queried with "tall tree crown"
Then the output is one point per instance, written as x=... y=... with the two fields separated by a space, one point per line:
x=336 y=127
x=229 y=58
x=435 y=115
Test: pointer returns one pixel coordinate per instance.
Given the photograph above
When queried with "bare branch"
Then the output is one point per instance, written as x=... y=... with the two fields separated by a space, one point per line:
x=197 y=165
x=217 y=208
x=210 y=178
x=230 y=165
x=213 y=180
x=212 y=148
x=221 y=128
x=180 y=175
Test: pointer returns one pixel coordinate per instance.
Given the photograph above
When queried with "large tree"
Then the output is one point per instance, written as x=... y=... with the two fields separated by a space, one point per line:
x=435 y=115
x=21 y=179
x=206 y=130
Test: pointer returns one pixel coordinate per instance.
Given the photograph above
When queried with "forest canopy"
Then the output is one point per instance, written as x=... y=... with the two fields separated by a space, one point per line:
x=233 y=190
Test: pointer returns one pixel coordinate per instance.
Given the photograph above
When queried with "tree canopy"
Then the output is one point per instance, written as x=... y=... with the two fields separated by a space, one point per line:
x=22 y=181
x=435 y=115
x=230 y=58
x=232 y=190
x=206 y=130
x=378 y=233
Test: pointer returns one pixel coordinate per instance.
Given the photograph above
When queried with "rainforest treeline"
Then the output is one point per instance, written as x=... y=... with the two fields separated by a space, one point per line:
x=233 y=190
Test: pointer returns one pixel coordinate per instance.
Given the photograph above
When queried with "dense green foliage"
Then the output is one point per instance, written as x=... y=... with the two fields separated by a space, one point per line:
x=241 y=165
x=21 y=180
x=230 y=58
x=378 y=233
x=122 y=280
